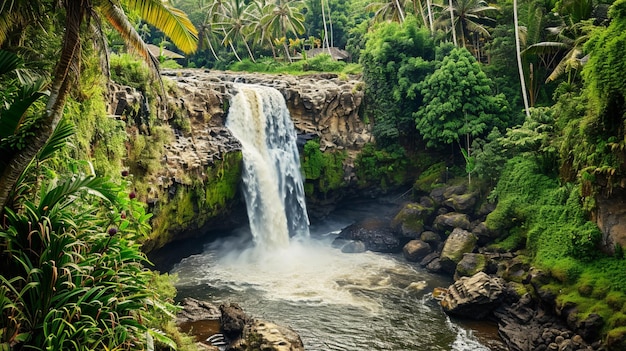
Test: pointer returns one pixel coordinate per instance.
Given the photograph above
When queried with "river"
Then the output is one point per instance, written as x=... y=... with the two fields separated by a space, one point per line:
x=278 y=268
x=335 y=301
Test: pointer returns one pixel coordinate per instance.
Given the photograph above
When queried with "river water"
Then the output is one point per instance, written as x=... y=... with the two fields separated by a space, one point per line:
x=335 y=301
x=279 y=269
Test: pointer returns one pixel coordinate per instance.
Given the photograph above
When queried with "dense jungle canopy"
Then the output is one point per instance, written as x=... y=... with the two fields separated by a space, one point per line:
x=526 y=98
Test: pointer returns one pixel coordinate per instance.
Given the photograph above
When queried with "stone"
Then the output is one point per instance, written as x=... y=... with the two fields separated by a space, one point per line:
x=375 y=234
x=461 y=203
x=458 y=243
x=356 y=246
x=233 y=320
x=473 y=297
x=470 y=264
x=434 y=266
x=267 y=336
x=431 y=238
x=452 y=220
x=409 y=222
x=415 y=250
x=193 y=310
x=429 y=258
x=590 y=327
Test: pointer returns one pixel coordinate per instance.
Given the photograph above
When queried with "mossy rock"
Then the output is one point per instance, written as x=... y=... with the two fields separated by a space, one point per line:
x=616 y=339
x=457 y=244
x=410 y=220
x=432 y=177
x=470 y=264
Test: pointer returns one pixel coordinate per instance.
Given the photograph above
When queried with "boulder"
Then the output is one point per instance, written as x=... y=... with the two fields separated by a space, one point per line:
x=374 y=233
x=415 y=250
x=233 y=320
x=356 y=246
x=267 y=336
x=473 y=297
x=452 y=220
x=458 y=243
x=409 y=222
x=431 y=238
x=470 y=264
x=462 y=203
x=193 y=310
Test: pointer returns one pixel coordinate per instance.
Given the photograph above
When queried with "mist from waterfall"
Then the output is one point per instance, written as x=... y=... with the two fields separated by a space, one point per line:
x=272 y=181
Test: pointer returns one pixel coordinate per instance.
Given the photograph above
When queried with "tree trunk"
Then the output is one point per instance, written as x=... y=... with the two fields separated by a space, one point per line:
x=519 y=59
x=325 y=41
x=452 y=23
x=59 y=91
x=430 y=16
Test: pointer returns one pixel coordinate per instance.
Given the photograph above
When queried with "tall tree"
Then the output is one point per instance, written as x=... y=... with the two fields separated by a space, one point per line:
x=467 y=19
x=458 y=102
x=77 y=15
x=519 y=59
x=282 y=18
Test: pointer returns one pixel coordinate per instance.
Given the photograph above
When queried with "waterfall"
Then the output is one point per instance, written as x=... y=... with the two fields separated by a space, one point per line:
x=272 y=182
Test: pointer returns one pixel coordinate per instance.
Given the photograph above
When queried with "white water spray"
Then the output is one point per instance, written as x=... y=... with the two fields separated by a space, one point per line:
x=273 y=189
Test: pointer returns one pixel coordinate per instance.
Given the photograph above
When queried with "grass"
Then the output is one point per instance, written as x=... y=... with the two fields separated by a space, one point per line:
x=322 y=63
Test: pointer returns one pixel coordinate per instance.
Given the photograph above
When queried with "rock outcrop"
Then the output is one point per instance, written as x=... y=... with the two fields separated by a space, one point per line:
x=473 y=297
x=375 y=234
x=193 y=183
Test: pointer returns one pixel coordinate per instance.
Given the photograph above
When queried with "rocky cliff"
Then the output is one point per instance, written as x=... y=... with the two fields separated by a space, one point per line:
x=195 y=186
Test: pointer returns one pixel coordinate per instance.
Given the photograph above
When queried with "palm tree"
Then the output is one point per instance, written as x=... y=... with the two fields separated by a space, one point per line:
x=171 y=21
x=282 y=18
x=467 y=19
x=387 y=10
x=519 y=59
x=234 y=22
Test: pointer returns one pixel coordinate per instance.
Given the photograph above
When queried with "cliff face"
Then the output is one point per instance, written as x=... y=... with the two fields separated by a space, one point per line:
x=321 y=105
x=195 y=186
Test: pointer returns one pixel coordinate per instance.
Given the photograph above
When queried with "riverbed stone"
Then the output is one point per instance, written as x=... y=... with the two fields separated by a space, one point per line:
x=356 y=246
x=415 y=250
x=193 y=310
x=376 y=234
x=233 y=320
x=409 y=222
x=470 y=264
x=431 y=238
x=451 y=220
x=458 y=243
x=473 y=297
x=267 y=336
x=462 y=203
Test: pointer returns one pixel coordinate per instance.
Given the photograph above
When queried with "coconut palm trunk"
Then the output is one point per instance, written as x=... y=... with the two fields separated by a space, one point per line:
x=452 y=26
x=59 y=91
x=519 y=59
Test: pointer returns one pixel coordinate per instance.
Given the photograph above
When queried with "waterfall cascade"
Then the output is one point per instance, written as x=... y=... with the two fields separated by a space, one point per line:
x=273 y=189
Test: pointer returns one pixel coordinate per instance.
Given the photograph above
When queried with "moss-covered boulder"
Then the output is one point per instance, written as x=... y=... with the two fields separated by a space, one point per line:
x=409 y=222
x=470 y=264
x=432 y=177
x=462 y=203
x=452 y=220
x=458 y=243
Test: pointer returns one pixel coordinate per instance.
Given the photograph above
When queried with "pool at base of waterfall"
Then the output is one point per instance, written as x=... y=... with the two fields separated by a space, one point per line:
x=334 y=300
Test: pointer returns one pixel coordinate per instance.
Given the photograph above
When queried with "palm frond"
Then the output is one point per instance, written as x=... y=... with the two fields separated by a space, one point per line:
x=57 y=140
x=171 y=21
x=117 y=18
x=9 y=62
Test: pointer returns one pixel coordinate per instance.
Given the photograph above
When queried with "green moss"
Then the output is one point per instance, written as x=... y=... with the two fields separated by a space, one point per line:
x=323 y=171
x=616 y=339
x=430 y=178
x=385 y=168
x=515 y=240
x=195 y=204
x=616 y=300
